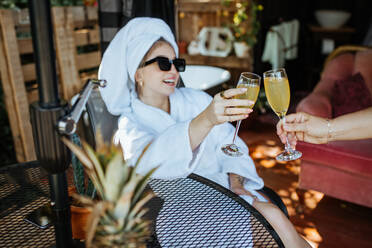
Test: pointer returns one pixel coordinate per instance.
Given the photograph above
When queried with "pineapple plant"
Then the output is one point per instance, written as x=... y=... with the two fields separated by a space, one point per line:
x=117 y=214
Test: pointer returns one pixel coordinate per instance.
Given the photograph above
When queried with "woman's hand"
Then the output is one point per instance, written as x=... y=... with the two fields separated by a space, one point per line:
x=225 y=109
x=220 y=110
x=303 y=127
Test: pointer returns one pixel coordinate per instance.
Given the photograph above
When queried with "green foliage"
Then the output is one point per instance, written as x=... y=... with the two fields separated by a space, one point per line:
x=67 y=2
x=262 y=105
x=117 y=215
x=83 y=184
x=245 y=24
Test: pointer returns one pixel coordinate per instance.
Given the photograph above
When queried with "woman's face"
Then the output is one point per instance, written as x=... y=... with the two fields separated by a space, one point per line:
x=154 y=82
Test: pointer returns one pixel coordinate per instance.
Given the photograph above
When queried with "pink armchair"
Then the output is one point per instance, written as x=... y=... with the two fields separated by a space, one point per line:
x=341 y=169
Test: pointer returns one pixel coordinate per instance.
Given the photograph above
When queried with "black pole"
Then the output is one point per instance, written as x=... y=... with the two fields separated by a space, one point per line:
x=52 y=154
x=41 y=25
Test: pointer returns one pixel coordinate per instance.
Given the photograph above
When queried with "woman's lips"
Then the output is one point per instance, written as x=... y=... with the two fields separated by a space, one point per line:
x=170 y=82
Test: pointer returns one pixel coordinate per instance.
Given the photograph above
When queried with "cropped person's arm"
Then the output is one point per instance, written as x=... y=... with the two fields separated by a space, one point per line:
x=352 y=126
x=318 y=130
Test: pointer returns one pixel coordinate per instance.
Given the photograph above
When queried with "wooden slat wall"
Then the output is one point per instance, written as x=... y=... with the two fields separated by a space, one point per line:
x=66 y=50
x=70 y=29
x=14 y=90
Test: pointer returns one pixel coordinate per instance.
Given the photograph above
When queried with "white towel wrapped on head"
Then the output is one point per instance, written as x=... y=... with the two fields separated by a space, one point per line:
x=123 y=56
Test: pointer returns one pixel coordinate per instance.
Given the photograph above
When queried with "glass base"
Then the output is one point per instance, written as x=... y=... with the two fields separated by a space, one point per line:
x=289 y=155
x=232 y=150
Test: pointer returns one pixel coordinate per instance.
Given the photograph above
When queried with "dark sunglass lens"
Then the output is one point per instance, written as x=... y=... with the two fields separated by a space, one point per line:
x=180 y=64
x=164 y=64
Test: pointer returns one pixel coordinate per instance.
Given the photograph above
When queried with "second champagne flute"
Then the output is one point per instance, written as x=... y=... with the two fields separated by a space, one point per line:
x=278 y=94
x=252 y=82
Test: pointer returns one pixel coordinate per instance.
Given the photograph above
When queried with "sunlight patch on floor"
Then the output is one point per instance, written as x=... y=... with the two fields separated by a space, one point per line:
x=313 y=234
x=312 y=198
x=268 y=163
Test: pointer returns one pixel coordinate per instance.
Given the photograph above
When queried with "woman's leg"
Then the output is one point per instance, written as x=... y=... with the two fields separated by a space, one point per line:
x=281 y=224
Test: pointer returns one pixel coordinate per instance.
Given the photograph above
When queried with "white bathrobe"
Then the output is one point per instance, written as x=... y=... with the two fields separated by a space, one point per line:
x=170 y=142
x=141 y=124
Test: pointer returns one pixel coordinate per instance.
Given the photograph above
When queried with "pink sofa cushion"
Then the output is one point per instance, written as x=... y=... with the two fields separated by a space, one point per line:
x=316 y=104
x=350 y=95
x=340 y=67
x=351 y=156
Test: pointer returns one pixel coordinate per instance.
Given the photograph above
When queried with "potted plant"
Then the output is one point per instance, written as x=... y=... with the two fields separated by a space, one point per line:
x=245 y=25
x=116 y=219
x=82 y=186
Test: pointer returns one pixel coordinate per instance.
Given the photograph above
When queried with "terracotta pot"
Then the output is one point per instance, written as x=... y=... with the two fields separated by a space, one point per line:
x=79 y=219
x=182 y=47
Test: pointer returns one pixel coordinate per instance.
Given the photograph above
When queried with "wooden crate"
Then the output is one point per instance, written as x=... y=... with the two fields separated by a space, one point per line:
x=193 y=15
x=74 y=27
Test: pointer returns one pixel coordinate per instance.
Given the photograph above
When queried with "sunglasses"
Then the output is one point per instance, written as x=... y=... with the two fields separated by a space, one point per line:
x=165 y=64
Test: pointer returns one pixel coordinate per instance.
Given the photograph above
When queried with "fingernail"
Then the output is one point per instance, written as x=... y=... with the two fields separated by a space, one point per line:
x=243 y=89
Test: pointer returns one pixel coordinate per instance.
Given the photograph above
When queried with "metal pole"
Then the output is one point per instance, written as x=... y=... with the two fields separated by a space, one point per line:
x=41 y=25
x=51 y=153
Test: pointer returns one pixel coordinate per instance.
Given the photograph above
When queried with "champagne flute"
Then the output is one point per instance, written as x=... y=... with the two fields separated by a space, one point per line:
x=278 y=94
x=250 y=81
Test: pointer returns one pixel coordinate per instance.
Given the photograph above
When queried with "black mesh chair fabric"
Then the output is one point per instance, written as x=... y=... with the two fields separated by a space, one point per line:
x=23 y=189
x=197 y=212
x=100 y=118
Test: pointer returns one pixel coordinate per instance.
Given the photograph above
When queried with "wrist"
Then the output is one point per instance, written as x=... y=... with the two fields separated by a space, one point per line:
x=205 y=121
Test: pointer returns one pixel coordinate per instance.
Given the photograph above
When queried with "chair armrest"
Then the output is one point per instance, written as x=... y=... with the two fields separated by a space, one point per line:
x=316 y=104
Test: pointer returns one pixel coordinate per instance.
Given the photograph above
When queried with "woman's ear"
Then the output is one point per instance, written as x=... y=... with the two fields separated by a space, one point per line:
x=138 y=75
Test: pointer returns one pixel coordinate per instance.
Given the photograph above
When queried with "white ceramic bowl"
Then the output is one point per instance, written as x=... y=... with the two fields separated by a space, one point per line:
x=203 y=77
x=332 y=18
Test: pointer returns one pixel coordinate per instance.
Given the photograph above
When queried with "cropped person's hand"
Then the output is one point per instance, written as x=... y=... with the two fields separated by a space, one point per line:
x=303 y=127
x=224 y=108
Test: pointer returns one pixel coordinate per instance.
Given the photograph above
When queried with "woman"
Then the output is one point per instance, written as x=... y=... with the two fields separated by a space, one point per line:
x=184 y=127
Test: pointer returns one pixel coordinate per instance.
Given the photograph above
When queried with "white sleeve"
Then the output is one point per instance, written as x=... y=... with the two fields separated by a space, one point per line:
x=170 y=151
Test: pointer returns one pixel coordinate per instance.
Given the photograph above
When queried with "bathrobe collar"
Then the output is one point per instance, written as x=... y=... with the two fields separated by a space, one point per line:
x=159 y=119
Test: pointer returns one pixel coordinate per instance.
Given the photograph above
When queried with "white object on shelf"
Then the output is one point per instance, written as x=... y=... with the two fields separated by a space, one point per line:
x=328 y=45
x=332 y=18
x=203 y=77
x=211 y=43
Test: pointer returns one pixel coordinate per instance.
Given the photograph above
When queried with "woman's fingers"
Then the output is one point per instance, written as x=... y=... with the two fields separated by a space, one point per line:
x=232 y=92
x=231 y=118
x=295 y=127
x=238 y=103
x=237 y=111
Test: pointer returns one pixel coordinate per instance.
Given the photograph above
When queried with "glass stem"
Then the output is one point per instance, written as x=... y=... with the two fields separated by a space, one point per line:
x=287 y=146
x=236 y=130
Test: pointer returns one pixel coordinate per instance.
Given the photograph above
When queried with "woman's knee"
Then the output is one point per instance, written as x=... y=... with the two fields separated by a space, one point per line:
x=270 y=211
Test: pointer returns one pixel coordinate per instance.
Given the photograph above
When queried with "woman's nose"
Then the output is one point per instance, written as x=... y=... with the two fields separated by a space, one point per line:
x=173 y=69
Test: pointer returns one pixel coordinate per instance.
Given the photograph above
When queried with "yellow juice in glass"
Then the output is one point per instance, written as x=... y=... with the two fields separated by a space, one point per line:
x=278 y=94
x=251 y=93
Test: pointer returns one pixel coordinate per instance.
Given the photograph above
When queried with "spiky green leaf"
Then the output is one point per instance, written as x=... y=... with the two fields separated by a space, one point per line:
x=115 y=176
